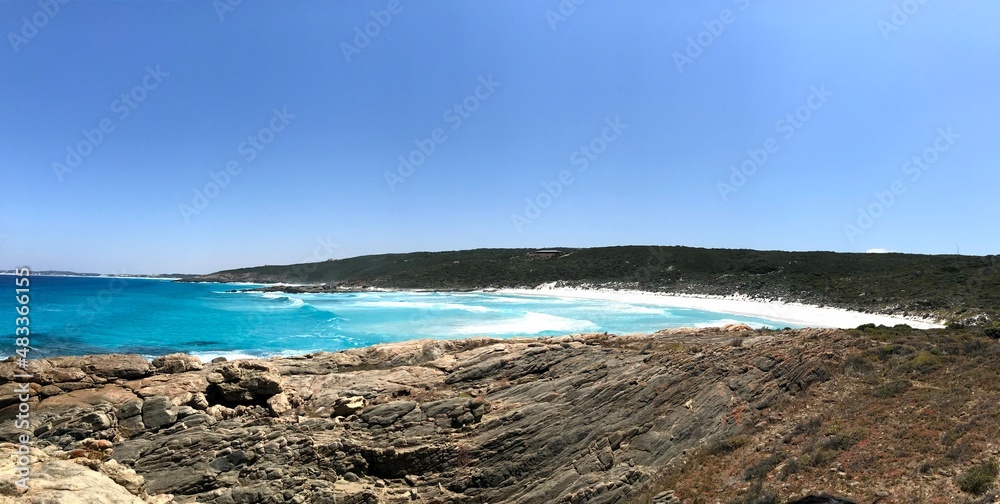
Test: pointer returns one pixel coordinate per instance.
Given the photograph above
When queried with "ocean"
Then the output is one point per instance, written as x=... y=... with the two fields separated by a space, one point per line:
x=88 y=315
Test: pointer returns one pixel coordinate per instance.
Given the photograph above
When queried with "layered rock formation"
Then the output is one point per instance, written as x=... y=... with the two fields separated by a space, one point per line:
x=587 y=418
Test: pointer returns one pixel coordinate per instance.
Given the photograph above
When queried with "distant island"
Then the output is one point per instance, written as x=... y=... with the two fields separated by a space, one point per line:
x=963 y=290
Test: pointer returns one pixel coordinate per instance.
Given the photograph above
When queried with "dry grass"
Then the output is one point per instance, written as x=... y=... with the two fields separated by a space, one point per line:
x=910 y=418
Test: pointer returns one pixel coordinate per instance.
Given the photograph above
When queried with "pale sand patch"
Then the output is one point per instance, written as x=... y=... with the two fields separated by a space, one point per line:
x=778 y=311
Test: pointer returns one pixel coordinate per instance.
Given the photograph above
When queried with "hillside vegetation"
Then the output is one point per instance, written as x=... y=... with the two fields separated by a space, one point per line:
x=906 y=416
x=964 y=289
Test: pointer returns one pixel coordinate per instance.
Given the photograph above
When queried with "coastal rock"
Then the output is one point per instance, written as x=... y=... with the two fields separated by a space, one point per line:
x=158 y=412
x=76 y=424
x=44 y=371
x=279 y=404
x=456 y=412
x=667 y=497
x=199 y=401
x=93 y=395
x=347 y=406
x=125 y=477
x=764 y=363
x=115 y=366
x=587 y=418
x=130 y=409
x=181 y=388
x=67 y=482
x=10 y=392
x=245 y=382
x=131 y=426
x=387 y=414
x=47 y=391
x=177 y=363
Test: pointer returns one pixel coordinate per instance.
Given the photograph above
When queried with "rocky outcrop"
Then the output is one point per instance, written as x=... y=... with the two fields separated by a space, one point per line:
x=80 y=476
x=245 y=382
x=586 y=418
x=177 y=363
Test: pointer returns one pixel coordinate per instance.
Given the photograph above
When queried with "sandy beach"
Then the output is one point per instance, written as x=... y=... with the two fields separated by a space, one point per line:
x=792 y=313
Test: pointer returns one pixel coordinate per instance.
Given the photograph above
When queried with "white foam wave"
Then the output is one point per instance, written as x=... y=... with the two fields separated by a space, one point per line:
x=364 y=295
x=290 y=302
x=423 y=305
x=208 y=356
x=636 y=309
x=238 y=355
x=510 y=300
x=529 y=323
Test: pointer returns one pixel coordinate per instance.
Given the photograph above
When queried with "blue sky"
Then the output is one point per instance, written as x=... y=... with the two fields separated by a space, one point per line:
x=609 y=123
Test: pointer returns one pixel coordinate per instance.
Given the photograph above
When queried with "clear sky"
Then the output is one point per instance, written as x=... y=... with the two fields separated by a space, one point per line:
x=620 y=122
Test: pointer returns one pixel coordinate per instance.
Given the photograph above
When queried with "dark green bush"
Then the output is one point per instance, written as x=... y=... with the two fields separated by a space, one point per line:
x=978 y=479
x=923 y=362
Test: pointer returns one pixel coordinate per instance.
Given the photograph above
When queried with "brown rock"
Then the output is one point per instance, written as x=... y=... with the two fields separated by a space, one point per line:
x=116 y=366
x=246 y=381
x=158 y=412
x=279 y=404
x=111 y=394
x=177 y=363
x=346 y=406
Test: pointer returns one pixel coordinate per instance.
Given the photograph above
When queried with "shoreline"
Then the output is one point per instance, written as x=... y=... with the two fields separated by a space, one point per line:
x=797 y=314
x=778 y=311
x=801 y=314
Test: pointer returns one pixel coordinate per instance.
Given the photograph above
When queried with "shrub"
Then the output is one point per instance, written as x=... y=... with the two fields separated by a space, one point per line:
x=891 y=389
x=960 y=452
x=953 y=434
x=924 y=362
x=837 y=443
x=978 y=479
x=886 y=351
x=791 y=467
x=857 y=365
x=992 y=332
x=727 y=445
x=819 y=457
x=760 y=469
x=809 y=427
x=757 y=495
x=973 y=347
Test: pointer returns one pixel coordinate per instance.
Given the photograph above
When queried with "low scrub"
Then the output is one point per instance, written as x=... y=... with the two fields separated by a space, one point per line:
x=978 y=479
x=923 y=362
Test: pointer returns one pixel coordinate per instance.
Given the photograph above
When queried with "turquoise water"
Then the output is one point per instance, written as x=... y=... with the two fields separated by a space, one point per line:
x=84 y=315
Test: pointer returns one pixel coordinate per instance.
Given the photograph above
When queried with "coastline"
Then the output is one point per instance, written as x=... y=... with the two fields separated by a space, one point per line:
x=779 y=311
x=446 y=398
x=796 y=313
x=119 y=428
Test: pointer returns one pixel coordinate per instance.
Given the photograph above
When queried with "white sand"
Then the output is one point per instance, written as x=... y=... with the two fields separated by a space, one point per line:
x=778 y=311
